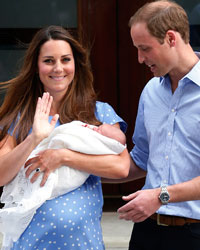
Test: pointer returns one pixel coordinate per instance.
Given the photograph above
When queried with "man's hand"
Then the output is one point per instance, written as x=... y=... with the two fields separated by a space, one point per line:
x=141 y=205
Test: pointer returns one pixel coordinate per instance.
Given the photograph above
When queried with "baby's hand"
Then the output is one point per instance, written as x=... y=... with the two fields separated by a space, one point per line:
x=91 y=127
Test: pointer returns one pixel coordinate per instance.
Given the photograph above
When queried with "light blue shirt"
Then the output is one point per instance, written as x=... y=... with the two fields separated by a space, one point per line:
x=167 y=136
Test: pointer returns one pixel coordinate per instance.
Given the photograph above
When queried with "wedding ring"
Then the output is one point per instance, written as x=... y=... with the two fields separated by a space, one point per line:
x=38 y=170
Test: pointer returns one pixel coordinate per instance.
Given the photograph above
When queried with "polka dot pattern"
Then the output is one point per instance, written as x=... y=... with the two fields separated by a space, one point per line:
x=71 y=221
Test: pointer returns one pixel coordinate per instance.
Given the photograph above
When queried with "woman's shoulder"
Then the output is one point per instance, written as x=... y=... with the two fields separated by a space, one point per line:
x=104 y=107
x=106 y=114
x=101 y=104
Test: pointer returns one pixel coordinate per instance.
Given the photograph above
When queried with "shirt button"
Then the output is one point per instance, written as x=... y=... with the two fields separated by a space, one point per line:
x=166 y=157
x=173 y=110
x=169 y=133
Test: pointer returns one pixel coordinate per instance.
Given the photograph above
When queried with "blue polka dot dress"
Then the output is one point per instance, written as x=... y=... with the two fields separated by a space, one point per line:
x=71 y=221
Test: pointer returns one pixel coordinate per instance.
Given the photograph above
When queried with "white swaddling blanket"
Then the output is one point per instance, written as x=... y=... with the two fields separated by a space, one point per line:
x=22 y=198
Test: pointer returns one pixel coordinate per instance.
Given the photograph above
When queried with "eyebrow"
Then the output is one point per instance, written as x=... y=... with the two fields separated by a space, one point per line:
x=53 y=56
x=142 y=45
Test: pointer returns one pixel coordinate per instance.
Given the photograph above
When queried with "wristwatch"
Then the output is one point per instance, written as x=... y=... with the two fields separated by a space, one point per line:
x=164 y=195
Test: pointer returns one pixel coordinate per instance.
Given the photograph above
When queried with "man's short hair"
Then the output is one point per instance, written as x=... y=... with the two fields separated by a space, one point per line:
x=161 y=16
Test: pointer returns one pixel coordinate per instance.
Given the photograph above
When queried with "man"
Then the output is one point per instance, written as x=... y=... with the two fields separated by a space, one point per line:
x=166 y=211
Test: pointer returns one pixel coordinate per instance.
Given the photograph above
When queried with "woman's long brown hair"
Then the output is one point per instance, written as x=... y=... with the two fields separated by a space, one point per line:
x=22 y=92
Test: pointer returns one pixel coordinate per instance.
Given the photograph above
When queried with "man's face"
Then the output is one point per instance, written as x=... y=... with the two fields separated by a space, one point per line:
x=155 y=55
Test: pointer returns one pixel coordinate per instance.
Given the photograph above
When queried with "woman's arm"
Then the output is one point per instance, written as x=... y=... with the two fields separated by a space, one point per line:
x=109 y=166
x=134 y=173
x=12 y=156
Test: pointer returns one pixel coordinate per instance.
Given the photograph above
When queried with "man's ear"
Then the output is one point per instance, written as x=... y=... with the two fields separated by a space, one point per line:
x=171 y=38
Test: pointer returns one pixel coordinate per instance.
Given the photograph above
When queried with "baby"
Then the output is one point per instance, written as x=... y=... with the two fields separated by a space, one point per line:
x=109 y=131
x=22 y=198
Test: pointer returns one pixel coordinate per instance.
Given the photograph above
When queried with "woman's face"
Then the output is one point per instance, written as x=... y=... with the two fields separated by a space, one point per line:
x=56 y=66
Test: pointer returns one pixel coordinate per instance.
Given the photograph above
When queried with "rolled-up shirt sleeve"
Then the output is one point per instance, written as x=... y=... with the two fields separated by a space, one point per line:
x=140 y=151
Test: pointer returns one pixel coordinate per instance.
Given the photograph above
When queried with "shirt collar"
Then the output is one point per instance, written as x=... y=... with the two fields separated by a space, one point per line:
x=193 y=74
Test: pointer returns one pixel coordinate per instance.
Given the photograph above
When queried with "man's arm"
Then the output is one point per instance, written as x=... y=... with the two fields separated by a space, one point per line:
x=185 y=191
x=138 y=209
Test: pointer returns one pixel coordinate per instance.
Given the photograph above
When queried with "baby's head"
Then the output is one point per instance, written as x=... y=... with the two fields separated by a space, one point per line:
x=111 y=132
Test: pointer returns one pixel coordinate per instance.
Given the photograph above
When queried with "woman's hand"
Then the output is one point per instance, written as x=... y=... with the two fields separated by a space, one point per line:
x=41 y=126
x=47 y=161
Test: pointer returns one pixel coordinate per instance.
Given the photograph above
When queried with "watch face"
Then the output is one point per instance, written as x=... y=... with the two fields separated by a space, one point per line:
x=164 y=197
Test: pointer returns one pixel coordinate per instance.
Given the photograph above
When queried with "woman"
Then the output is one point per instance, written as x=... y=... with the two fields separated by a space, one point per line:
x=56 y=68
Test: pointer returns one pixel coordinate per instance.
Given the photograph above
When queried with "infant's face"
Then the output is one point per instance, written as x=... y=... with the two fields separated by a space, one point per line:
x=105 y=129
